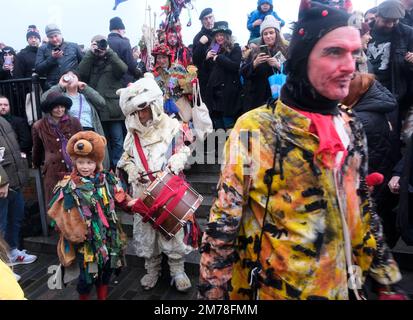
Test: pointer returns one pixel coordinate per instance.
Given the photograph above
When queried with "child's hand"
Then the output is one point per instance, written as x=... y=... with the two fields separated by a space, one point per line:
x=257 y=23
x=132 y=203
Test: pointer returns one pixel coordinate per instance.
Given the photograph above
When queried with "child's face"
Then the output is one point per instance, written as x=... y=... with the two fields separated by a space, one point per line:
x=85 y=166
x=265 y=7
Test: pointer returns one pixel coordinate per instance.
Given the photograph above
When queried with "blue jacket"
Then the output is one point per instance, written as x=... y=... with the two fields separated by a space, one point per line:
x=254 y=16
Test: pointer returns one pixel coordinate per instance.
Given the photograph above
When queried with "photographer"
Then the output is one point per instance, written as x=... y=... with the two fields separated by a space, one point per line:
x=103 y=70
x=56 y=57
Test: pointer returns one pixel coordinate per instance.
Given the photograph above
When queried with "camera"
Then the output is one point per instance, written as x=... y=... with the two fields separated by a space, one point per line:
x=102 y=44
x=57 y=49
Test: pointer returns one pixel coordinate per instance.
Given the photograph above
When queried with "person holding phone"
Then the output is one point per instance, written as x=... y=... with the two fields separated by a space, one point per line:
x=223 y=61
x=8 y=59
x=262 y=63
x=56 y=57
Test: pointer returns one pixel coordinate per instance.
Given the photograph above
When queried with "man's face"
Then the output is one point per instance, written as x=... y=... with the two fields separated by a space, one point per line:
x=33 y=41
x=369 y=18
x=56 y=39
x=385 y=25
x=4 y=106
x=332 y=62
x=163 y=61
x=265 y=7
x=172 y=39
x=208 y=21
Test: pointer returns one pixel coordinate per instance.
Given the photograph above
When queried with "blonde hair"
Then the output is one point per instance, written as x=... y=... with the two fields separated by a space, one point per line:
x=4 y=248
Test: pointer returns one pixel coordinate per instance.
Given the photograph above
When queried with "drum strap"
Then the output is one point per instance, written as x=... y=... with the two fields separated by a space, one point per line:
x=143 y=157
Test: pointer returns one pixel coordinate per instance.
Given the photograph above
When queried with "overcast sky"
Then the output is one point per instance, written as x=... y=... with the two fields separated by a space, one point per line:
x=80 y=20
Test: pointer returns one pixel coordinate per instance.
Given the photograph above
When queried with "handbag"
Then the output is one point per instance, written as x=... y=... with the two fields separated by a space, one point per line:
x=70 y=222
x=200 y=114
x=185 y=109
x=276 y=81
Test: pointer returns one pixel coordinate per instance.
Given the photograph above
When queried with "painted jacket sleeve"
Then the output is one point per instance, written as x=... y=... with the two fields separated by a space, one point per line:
x=218 y=243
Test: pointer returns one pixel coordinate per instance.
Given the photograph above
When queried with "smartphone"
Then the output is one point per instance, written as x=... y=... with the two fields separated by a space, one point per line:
x=8 y=60
x=216 y=47
x=264 y=49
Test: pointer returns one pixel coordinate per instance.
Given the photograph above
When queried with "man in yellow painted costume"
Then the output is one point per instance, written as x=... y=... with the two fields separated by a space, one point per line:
x=293 y=218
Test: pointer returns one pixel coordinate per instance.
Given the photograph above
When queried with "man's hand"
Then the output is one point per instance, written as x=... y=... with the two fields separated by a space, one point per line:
x=132 y=203
x=81 y=86
x=204 y=40
x=261 y=58
x=4 y=191
x=257 y=23
x=409 y=57
x=57 y=54
x=394 y=185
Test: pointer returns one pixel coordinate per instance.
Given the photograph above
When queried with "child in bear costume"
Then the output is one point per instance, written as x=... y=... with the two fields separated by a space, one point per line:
x=142 y=105
x=83 y=208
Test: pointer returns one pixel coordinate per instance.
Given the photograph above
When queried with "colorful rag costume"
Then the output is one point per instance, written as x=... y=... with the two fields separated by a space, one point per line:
x=303 y=254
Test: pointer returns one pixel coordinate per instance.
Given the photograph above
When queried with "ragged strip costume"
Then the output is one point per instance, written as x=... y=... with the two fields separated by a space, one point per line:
x=91 y=244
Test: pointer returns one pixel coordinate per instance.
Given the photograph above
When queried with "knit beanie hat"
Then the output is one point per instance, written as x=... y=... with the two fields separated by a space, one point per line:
x=116 y=23
x=52 y=29
x=314 y=22
x=270 y=22
x=32 y=31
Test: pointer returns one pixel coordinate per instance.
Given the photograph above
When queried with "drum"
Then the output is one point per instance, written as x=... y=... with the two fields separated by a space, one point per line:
x=171 y=202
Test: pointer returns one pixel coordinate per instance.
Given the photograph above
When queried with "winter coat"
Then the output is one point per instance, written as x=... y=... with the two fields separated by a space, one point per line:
x=259 y=90
x=256 y=15
x=199 y=53
x=22 y=130
x=47 y=150
x=96 y=102
x=26 y=61
x=224 y=83
x=372 y=110
x=303 y=253
x=123 y=48
x=13 y=168
x=105 y=76
x=52 y=68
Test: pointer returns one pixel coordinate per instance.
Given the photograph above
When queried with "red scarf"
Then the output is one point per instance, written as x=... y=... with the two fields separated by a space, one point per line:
x=330 y=142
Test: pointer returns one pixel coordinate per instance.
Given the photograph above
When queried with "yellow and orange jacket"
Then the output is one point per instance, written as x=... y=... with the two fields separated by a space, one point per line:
x=303 y=247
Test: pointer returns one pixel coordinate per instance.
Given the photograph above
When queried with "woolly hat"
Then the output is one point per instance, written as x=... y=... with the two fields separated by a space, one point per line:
x=116 y=23
x=314 y=22
x=391 y=9
x=55 y=99
x=205 y=13
x=52 y=29
x=221 y=26
x=32 y=31
x=270 y=22
x=87 y=144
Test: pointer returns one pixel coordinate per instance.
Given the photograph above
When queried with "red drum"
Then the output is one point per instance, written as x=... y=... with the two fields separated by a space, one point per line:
x=168 y=204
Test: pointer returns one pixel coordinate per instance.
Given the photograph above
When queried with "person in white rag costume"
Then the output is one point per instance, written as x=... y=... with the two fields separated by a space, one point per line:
x=142 y=105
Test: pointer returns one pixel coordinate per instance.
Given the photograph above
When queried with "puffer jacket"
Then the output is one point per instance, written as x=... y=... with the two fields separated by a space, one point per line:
x=372 y=110
x=53 y=68
x=258 y=14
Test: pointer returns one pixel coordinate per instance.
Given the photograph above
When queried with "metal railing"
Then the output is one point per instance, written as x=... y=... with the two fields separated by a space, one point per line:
x=24 y=97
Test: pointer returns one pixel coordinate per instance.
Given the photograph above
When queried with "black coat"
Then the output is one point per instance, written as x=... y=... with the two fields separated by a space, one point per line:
x=52 y=68
x=123 y=48
x=224 y=82
x=199 y=53
x=26 y=61
x=373 y=110
x=258 y=87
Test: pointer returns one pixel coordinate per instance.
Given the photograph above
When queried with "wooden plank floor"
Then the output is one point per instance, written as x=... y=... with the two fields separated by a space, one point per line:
x=124 y=287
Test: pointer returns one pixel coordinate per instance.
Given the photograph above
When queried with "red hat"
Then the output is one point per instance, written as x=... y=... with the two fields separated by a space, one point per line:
x=161 y=49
